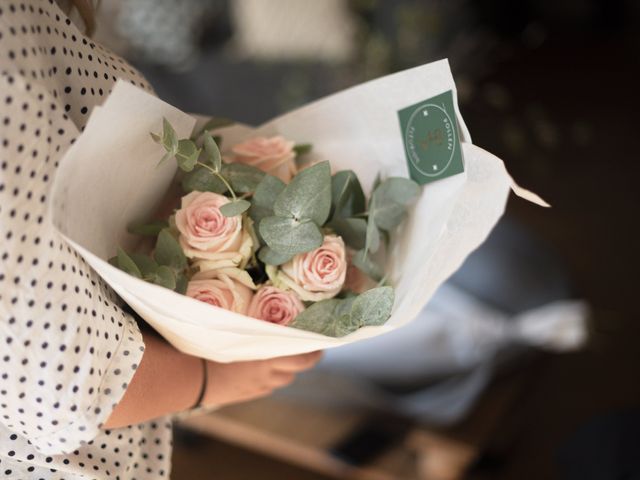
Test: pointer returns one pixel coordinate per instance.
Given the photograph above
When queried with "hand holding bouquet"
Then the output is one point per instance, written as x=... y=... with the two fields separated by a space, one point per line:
x=295 y=248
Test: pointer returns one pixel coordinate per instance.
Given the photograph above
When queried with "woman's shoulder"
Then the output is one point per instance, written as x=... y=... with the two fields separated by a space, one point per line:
x=41 y=45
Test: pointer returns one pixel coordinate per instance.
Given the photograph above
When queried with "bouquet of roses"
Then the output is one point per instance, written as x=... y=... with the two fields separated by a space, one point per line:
x=336 y=240
x=260 y=236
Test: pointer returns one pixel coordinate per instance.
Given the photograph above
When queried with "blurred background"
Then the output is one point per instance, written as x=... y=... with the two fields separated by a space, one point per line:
x=549 y=86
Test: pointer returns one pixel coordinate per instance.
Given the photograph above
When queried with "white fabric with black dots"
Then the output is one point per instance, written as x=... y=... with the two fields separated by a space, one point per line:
x=67 y=350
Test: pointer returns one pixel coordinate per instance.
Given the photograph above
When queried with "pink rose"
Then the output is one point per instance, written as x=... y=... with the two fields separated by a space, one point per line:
x=207 y=234
x=315 y=275
x=273 y=155
x=223 y=292
x=275 y=305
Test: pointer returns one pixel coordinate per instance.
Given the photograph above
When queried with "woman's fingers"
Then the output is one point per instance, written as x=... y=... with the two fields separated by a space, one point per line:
x=280 y=378
x=296 y=363
x=241 y=381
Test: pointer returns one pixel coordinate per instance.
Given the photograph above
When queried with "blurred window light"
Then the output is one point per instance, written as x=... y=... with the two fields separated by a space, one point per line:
x=294 y=30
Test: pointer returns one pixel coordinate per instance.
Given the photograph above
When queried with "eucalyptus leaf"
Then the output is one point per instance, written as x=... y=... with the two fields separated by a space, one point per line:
x=363 y=262
x=352 y=230
x=168 y=251
x=181 y=283
x=390 y=200
x=264 y=197
x=187 y=155
x=347 y=197
x=376 y=182
x=373 y=307
x=242 y=178
x=398 y=189
x=165 y=277
x=165 y=157
x=126 y=264
x=320 y=317
x=150 y=229
x=308 y=195
x=388 y=215
x=235 y=207
x=271 y=257
x=372 y=238
x=201 y=179
x=145 y=264
x=302 y=148
x=169 y=137
x=287 y=236
x=330 y=317
x=212 y=151
x=345 y=323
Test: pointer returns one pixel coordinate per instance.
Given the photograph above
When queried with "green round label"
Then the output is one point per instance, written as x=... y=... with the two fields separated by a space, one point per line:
x=430 y=139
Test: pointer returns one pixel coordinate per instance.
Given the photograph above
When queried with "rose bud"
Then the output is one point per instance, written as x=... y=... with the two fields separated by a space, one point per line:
x=275 y=305
x=273 y=155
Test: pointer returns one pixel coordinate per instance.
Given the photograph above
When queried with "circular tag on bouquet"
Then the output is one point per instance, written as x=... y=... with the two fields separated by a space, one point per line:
x=430 y=135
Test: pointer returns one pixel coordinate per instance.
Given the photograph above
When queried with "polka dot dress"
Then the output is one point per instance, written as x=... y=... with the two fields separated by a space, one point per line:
x=67 y=350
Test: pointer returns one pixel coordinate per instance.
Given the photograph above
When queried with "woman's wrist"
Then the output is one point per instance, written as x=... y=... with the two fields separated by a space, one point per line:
x=166 y=382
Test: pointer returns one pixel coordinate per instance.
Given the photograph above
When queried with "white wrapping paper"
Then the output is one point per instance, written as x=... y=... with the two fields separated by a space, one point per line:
x=109 y=179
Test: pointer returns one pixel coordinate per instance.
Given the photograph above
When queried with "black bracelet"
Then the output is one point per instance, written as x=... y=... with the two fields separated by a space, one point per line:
x=203 y=388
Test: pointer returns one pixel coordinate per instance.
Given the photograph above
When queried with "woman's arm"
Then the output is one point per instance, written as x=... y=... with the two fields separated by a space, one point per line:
x=168 y=381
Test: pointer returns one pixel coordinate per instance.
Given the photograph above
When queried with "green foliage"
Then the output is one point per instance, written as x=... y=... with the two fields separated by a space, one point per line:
x=264 y=197
x=168 y=251
x=148 y=229
x=165 y=277
x=363 y=262
x=213 y=152
x=347 y=197
x=242 y=178
x=187 y=155
x=347 y=201
x=169 y=137
x=166 y=268
x=126 y=264
x=302 y=148
x=288 y=236
x=201 y=179
x=169 y=140
x=300 y=209
x=352 y=230
x=372 y=238
x=390 y=200
x=271 y=257
x=181 y=283
x=387 y=209
x=338 y=317
x=234 y=208
x=308 y=195
x=145 y=263
x=372 y=307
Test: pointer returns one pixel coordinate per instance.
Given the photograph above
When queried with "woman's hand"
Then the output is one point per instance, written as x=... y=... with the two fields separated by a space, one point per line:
x=237 y=382
x=168 y=381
